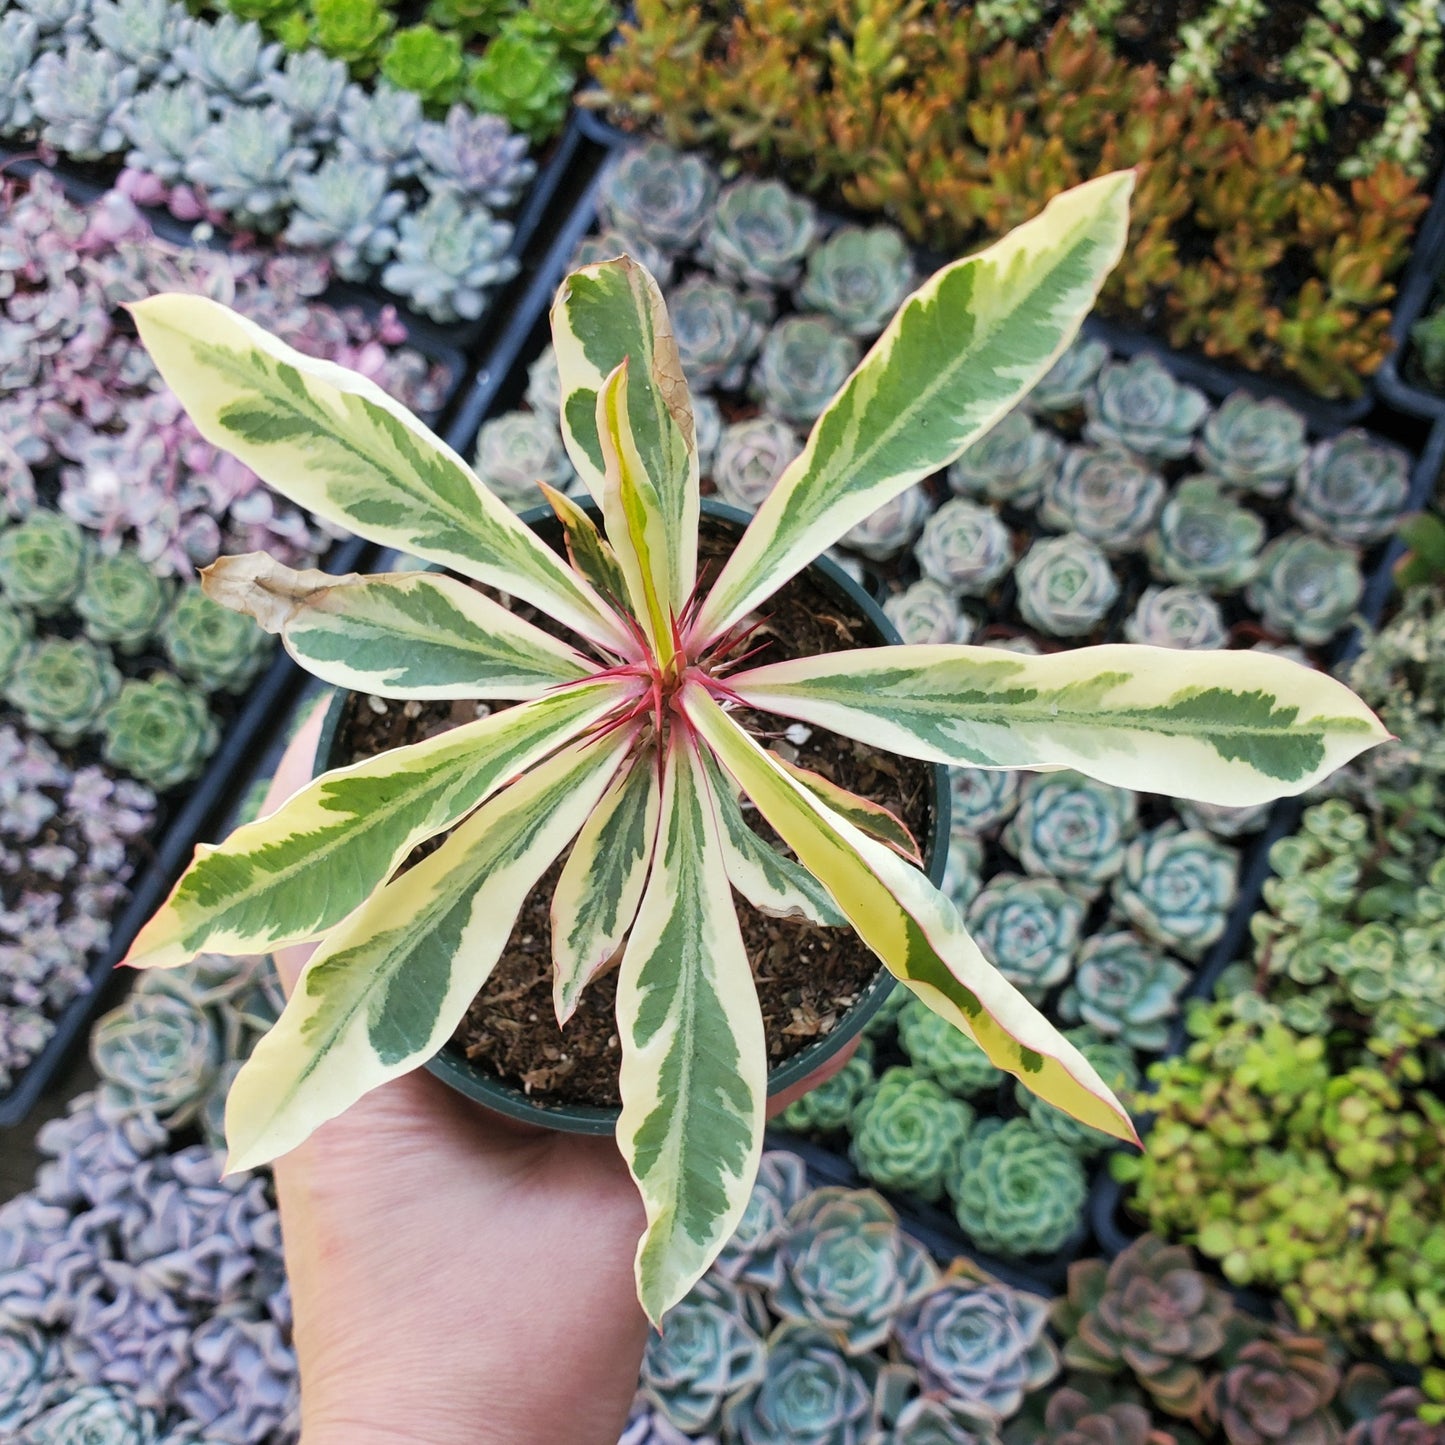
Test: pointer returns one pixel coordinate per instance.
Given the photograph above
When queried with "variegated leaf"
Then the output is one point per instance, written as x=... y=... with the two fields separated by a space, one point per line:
x=913 y=928
x=1232 y=728
x=391 y=983
x=403 y=635
x=694 y=1058
x=636 y=526
x=773 y=884
x=587 y=548
x=601 y=885
x=960 y=353
x=604 y=315
x=873 y=818
x=289 y=877
x=333 y=442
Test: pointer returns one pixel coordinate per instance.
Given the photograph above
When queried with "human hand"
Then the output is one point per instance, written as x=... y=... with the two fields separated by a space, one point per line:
x=456 y=1277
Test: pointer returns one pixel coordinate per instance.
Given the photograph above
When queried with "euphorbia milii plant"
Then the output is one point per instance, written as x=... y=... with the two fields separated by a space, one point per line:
x=626 y=741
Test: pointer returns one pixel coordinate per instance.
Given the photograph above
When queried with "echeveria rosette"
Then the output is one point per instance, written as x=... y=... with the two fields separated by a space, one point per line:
x=1017 y=1190
x=718 y=332
x=1306 y=587
x=858 y=276
x=1071 y=828
x=1351 y=488
x=29 y=1371
x=1176 y=617
x=979 y=1346
x=62 y=687
x=1011 y=464
x=803 y=362
x=1205 y=538
x=1065 y=586
x=907 y=1132
x=1072 y=1417
x=812 y=1394
x=624 y=741
x=848 y=1268
x=1177 y=886
x=1028 y=928
x=1276 y=1389
x=666 y=195
x=963 y=874
x=926 y=612
x=1105 y=495
x=1137 y=405
x=1066 y=383
x=887 y=530
x=1150 y=1314
x=516 y=451
x=982 y=798
x=1124 y=990
x=705 y=1352
x=94 y=1413
x=752 y=1254
x=759 y=234
x=1257 y=445
x=158 y=1052
x=943 y=1054
x=965 y=547
x=751 y=456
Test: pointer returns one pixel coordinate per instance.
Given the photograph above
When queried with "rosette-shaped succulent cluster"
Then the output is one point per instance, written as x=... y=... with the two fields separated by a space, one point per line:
x=1351 y=488
x=980 y=799
x=1068 y=381
x=1072 y=828
x=829 y=1106
x=1011 y=464
x=718 y=332
x=759 y=234
x=965 y=548
x=751 y=456
x=926 y=612
x=907 y=1132
x=1139 y=406
x=812 y=1393
x=858 y=276
x=121 y=601
x=516 y=451
x=1205 y=538
x=1177 y=886
x=803 y=362
x=945 y=1055
x=1151 y=1313
x=1029 y=930
x=1176 y=617
x=1124 y=990
x=1105 y=495
x=1065 y=586
x=1306 y=587
x=1251 y=444
x=211 y=647
x=1017 y=1189
x=43 y=563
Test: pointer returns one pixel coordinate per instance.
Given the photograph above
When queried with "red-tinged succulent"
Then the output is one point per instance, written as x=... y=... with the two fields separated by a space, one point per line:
x=1151 y=1312
x=1277 y=1389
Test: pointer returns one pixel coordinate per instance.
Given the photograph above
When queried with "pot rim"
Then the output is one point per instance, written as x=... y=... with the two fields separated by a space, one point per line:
x=503 y=1098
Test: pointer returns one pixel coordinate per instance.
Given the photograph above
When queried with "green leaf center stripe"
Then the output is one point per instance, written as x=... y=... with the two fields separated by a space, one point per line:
x=1132 y=716
x=290 y=876
x=694 y=1069
x=428 y=634
x=954 y=359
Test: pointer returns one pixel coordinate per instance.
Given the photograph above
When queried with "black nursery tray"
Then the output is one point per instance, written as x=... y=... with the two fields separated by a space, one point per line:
x=1399 y=381
x=84 y=182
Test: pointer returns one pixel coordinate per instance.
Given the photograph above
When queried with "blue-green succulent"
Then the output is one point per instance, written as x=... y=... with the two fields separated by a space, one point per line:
x=944 y=1053
x=751 y=1256
x=1105 y=495
x=1176 y=617
x=803 y=363
x=965 y=547
x=666 y=195
x=1306 y=587
x=212 y=647
x=159 y=1052
x=1351 y=488
x=1124 y=990
x=926 y=611
x=828 y=1107
x=848 y=1268
x=907 y=1132
x=751 y=456
x=982 y=798
x=812 y=1394
x=759 y=234
x=1205 y=538
x=1139 y=406
x=159 y=731
x=122 y=601
x=1011 y=463
x=61 y=687
x=1028 y=928
x=717 y=329
x=517 y=450
x=43 y=562
x=858 y=276
x=1177 y=886
x=1253 y=444
x=1065 y=586
x=1072 y=828
x=1069 y=380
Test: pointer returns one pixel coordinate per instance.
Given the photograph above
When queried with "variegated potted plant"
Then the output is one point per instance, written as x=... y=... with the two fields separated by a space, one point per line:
x=640 y=710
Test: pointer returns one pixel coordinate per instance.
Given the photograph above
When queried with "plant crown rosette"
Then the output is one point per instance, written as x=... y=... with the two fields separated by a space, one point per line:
x=625 y=742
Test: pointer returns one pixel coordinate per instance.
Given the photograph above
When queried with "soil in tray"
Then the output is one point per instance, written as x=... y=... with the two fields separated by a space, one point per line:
x=807 y=976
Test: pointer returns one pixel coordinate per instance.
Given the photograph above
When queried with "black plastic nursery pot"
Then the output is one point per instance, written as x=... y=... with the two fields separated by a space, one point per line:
x=504 y=1098
x=1397 y=381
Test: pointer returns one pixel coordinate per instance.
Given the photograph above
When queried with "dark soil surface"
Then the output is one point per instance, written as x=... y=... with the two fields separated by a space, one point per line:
x=807 y=976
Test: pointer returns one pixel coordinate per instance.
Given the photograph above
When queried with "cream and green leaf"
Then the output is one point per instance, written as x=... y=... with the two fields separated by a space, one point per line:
x=1232 y=728
x=621 y=741
x=332 y=441
x=386 y=989
x=407 y=635
x=694 y=1059
x=956 y=358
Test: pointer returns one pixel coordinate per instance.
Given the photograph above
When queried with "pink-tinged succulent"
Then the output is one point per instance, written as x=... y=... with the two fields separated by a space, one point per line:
x=1277 y=1389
